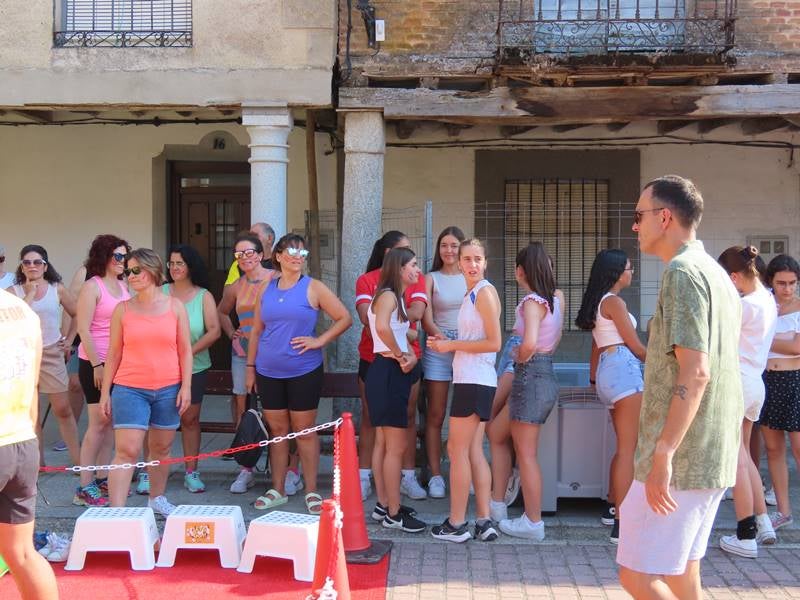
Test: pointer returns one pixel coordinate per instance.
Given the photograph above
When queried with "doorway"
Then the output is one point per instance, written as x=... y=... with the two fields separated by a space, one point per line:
x=209 y=206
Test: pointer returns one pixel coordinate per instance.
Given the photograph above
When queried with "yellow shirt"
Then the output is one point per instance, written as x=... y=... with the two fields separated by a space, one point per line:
x=233 y=273
x=20 y=355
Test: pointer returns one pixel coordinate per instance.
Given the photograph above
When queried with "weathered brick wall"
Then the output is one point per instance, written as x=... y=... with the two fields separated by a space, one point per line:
x=430 y=36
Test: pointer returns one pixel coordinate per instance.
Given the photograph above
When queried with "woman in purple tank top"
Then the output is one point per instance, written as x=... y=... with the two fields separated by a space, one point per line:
x=284 y=363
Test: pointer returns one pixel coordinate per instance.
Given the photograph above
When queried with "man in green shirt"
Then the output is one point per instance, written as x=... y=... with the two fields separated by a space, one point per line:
x=692 y=405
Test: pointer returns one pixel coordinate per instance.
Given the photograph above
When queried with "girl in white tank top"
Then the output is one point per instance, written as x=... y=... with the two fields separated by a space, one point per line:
x=474 y=383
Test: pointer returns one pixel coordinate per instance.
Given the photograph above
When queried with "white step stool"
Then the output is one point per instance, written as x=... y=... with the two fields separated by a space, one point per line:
x=283 y=535
x=114 y=529
x=204 y=526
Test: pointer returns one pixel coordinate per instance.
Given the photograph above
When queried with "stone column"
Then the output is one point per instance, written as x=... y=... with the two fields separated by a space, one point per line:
x=364 y=147
x=268 y=128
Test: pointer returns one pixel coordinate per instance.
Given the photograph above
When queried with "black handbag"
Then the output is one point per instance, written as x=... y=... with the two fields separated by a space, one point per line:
x=251 y=430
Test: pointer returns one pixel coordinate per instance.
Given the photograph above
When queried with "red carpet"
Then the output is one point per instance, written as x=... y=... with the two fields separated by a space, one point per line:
x=197 y=575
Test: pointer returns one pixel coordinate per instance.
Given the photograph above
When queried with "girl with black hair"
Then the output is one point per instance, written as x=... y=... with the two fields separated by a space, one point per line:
x=615 y=362
x=781 y=411
x=416 y=302
x=39 y=284
x=388 y=386
x=187 y=280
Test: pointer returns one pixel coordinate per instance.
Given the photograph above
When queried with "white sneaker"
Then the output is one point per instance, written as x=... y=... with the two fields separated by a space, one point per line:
x=436 y=487
x=59 y=551
x=244 y=481
x=161 y=506
x=765 y=534
x=411 y=488
x=498 y=511
x=523 y=528
x=769 y=497
x=733 y=545
x=293 y=483
x=366 y=488
x=512 y=489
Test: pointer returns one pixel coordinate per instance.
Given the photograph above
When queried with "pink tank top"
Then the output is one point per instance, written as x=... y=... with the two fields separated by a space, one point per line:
x=549 y=328
x=100 y=327
x=149 y=350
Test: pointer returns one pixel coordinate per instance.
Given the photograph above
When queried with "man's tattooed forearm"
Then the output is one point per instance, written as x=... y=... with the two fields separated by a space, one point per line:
x=680 y=391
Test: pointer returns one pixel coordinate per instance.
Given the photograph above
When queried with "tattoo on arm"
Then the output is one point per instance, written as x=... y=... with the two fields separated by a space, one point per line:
x=680 y=391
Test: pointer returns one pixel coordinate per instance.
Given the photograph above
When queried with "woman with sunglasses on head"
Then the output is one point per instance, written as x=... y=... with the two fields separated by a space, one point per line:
x=781 y=411
x=187 y=280
x=39 y=284
x=759 y=319
x=416 y=302
x=98 y=298
x=616 y=361
x=284 y=363
x=445 y=287
x=242 y=295
x=150 y=364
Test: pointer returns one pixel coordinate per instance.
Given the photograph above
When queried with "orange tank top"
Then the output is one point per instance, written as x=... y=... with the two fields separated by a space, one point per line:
x=149 y=350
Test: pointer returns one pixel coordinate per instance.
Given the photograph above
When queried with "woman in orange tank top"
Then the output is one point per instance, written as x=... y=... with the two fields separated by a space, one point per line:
x=149 y=363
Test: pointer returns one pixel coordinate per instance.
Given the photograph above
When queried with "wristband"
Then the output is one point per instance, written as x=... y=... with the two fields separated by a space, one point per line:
x=253 y=366
x=98 y=365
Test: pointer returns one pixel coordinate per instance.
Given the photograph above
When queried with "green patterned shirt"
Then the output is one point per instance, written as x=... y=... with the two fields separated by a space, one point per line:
x=698 y=309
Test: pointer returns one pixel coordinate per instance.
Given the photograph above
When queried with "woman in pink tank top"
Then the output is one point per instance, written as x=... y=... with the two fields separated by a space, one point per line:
x=102 y=291
x=150 y=365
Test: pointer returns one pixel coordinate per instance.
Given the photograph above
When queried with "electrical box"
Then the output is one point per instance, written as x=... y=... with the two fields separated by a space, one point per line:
x=380 y=30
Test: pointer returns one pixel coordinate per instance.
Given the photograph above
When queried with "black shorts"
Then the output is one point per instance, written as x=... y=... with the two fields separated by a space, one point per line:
x=472 y=399
x=19 y=470
x=363 y=368
x=86 y=377
x=388 y=389
x=199 y=386
x=292 y=393
x=416 y=372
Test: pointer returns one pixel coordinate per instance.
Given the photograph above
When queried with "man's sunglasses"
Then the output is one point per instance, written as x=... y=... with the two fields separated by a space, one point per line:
x=249 y=253
x=119 y=256
x=133 y=271
x=637 y=214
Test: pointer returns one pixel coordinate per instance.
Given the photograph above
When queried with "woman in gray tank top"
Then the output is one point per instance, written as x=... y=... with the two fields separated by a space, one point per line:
x=446 y=288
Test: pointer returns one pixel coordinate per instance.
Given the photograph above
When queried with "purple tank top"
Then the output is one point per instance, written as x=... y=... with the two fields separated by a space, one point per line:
x=286 y=314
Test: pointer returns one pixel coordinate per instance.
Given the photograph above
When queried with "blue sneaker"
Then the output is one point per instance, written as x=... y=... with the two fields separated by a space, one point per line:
x=143 y=484
x=193 y=483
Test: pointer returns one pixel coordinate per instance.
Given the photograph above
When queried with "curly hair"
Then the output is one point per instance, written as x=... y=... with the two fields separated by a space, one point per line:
x=50 y=273
x=607 y=268
x=100 y=252
x=198 y=272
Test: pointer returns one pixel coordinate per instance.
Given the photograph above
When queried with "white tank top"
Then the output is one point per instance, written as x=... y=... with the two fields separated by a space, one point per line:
x=48 y=310
x=471 y=367
x=605 y=332
x=785 y=328
x=399 y=329
x=448 y=294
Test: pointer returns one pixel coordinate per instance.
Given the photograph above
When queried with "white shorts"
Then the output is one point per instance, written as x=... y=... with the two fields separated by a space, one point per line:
x=754 y=393
x=662 y=545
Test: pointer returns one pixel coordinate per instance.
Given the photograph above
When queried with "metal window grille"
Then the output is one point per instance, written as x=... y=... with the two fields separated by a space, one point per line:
x=570 y=217
x=125 y=23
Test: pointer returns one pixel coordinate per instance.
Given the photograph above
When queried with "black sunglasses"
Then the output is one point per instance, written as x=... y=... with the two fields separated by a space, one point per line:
x=119 y=256
x=132 y=271
x=637 y=214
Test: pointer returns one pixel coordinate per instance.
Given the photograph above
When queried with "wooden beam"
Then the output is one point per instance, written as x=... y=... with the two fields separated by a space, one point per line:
x=404 y=129
x=793 y=119
x=314 y=264
x=616 y=126
x=765 y=125
x=508 y=131
x=570 y=127
x=38 y=116
x=667 y=127
x=541 y=105
x=709 y=125
x=453 y=129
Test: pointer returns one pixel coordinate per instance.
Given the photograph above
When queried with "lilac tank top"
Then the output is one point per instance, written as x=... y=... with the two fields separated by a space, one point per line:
x=100 y=327
x=549 y=328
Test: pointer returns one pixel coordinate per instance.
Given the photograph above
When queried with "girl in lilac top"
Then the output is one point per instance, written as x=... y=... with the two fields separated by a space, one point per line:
x=284 y=363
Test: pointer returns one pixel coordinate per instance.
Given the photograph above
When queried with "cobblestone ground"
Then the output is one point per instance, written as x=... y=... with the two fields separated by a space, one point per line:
x=475 y=571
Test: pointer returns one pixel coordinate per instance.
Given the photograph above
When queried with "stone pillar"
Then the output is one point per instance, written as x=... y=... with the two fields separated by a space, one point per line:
x=364 y=147
x=268 y=128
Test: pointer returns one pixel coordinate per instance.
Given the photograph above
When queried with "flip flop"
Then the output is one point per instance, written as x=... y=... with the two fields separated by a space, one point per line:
x=271 y=499
x=313 y=503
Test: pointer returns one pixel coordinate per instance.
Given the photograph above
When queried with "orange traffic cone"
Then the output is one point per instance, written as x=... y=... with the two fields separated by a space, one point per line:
x=326 y=542
x=357 y=545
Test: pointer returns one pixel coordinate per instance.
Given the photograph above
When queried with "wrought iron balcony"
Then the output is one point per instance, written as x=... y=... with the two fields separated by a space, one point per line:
x=123 y=23
x=596 y=27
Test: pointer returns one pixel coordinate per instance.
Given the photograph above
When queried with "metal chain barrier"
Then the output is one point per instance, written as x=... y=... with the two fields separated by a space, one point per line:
x=216 y=453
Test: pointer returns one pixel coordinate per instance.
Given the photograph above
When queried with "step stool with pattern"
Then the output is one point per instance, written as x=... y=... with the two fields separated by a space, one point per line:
x=283 y=535
x=112 y=530
x=204 y=526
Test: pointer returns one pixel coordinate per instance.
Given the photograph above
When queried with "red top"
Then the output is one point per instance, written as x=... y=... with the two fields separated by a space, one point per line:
x=365 y=290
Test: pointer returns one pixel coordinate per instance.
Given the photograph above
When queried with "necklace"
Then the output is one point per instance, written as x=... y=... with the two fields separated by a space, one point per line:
x=282 y=296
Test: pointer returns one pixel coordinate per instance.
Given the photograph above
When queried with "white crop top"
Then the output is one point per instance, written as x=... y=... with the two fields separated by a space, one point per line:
x=605 y=332
x=785 y=329
x=399 y=329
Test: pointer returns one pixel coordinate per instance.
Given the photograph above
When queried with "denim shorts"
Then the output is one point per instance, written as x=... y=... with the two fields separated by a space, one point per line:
x=619 y=374
x=506 y=364
x=237 y=374
x=534 y=392
x=137 y=408
x=438 y=366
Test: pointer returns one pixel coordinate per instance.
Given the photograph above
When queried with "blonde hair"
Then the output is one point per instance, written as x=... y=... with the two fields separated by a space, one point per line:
x=149 y=261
